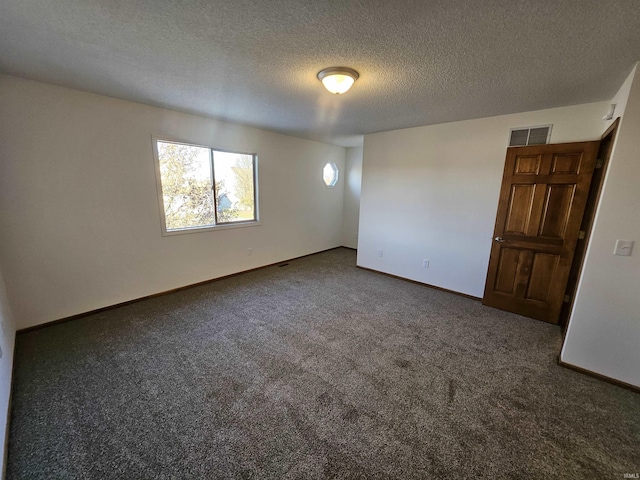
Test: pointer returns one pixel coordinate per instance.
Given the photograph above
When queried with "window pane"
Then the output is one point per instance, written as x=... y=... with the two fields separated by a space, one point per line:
x=330 y=174
x=234 y=186
x=185 y=172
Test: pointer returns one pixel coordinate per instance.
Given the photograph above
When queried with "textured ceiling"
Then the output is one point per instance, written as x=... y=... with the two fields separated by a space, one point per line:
x=255 y=62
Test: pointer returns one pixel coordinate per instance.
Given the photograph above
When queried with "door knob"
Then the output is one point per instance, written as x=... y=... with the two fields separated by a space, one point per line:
x=499 y=239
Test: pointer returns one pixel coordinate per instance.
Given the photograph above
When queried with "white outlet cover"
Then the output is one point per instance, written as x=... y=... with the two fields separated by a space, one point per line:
x=623 y=248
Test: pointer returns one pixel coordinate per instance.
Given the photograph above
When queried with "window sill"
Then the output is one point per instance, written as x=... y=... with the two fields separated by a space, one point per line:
x=211 y=228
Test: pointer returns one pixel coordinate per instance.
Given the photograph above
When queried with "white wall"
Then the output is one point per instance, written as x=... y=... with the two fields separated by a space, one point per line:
x=352 y=182
x=621 y=98
x=432 y=193
x=79 y=210
x=7 y=338
x=604 y=329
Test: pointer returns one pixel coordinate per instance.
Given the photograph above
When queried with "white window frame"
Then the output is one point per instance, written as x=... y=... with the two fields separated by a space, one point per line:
x=337 y=171
x=206 y=228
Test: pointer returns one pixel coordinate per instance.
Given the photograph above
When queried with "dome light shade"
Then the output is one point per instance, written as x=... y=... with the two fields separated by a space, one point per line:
x=338 y=79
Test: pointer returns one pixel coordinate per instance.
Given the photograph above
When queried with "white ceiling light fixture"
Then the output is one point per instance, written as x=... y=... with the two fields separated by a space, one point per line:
x=338 y=79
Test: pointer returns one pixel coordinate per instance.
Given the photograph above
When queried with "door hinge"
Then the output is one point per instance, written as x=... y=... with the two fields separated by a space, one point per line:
x=581 y=235
x=567 y=299
x=599 y=163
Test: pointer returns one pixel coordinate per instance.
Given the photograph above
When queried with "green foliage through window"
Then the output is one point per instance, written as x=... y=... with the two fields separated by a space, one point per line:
x=188 y=194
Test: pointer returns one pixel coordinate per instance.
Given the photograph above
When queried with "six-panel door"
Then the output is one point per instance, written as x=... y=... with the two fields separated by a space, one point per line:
x=542 y=201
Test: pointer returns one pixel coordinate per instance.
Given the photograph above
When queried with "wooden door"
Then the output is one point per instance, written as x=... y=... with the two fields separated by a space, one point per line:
x=542 y=201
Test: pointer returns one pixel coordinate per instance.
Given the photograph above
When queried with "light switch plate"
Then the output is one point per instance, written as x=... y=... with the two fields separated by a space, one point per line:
x=623 y=248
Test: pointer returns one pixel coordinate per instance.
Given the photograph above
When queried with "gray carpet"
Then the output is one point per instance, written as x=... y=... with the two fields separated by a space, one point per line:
x=313 y=370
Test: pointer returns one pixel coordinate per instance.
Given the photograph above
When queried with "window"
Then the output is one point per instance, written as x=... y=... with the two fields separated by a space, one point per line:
x=201 y=187
x=330 y=174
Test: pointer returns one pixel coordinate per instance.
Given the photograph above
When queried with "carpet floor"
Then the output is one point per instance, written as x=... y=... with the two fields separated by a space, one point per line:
x=316 y=370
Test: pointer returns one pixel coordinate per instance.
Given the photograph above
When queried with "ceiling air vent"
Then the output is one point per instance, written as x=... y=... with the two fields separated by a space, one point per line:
x=520 y=137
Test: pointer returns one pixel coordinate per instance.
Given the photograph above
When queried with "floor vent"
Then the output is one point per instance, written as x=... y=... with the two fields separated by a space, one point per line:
x=519 y=137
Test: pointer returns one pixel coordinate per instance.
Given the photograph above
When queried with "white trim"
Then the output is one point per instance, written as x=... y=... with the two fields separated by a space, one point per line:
x=210 y=228
x=156 y=166
x=336 y=169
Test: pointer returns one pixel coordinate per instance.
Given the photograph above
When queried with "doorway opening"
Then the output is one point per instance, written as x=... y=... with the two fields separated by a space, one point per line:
x=540 y=209
x=604 y=154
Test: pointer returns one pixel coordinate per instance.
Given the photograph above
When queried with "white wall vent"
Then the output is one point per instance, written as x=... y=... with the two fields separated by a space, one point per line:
x=519 y=137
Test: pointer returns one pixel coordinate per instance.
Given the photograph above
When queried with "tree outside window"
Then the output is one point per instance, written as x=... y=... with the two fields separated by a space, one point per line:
x=190 y=196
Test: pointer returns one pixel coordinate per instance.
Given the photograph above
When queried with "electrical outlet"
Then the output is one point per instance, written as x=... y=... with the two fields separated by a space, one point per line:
x=250 y=252
x=425 y=263
x=380 y=253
